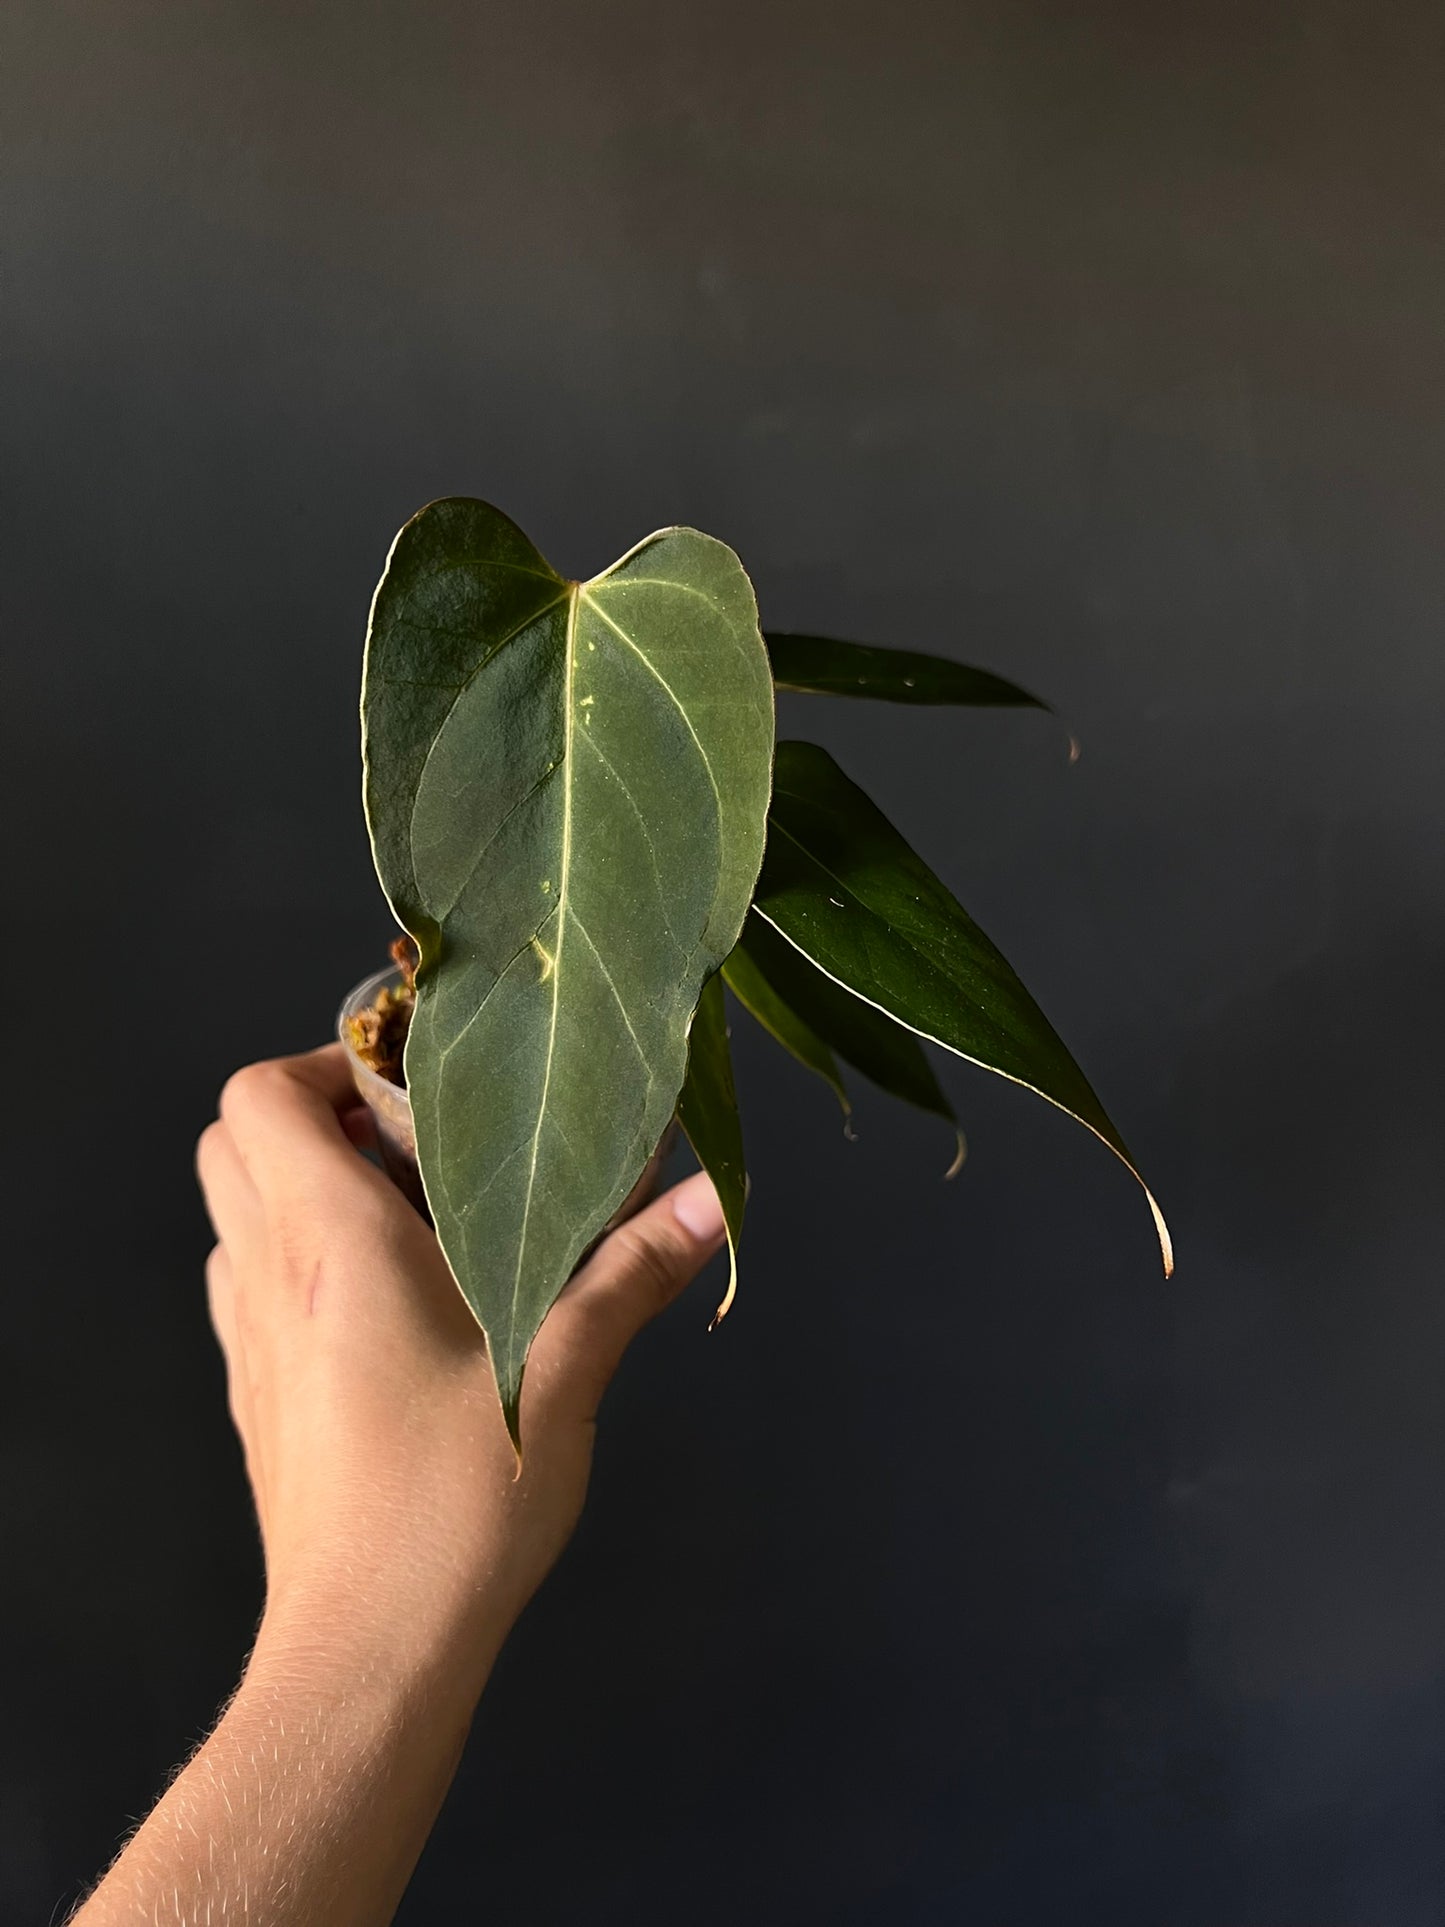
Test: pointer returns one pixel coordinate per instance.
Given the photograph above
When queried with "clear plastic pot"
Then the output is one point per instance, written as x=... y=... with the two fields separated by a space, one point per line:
x=388 y=1103
x=390 y=1108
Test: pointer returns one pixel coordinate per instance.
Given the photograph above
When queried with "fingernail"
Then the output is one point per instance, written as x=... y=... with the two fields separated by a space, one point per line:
x=695 y=1206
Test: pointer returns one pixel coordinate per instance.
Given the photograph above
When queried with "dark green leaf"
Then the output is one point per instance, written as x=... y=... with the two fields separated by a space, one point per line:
x=566 y=785
x=708 y=1112
x=761 y=1000
x=822 y=667
x=864 y=1036
x=843 y=887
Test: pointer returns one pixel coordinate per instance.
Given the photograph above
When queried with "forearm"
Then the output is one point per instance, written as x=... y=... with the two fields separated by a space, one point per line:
x=307 y=1806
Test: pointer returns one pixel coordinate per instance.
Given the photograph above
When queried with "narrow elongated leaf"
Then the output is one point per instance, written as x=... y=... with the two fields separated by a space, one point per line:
x=761 y=1000
x=708 y=1113
x=820 y=666
x=566 y=785
x=844 y=888
x=864 y=1036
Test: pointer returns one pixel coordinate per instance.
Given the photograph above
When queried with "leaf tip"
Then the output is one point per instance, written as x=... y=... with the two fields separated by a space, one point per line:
x=959 y=1155
x=732 y=1291
x=1166 y=1243
x=509 y=1391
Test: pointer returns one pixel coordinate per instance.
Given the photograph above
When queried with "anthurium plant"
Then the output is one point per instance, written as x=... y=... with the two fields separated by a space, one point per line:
x=581 y=818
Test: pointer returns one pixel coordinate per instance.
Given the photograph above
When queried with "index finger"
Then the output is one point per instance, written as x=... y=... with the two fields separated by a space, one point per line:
x=289 y=1107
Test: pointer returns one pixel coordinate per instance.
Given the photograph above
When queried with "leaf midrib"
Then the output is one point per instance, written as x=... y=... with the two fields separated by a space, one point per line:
x=934 y=970
x=573 y=593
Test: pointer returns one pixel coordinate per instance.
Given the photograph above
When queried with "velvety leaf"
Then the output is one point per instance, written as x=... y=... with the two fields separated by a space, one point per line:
x=820 y=666
x=842 y=886
x=708 y=1113
x=762 y=1001
x=864 y=1036
x=566 y=785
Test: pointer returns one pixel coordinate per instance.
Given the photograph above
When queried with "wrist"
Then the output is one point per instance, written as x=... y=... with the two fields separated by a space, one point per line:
x=316 y=1639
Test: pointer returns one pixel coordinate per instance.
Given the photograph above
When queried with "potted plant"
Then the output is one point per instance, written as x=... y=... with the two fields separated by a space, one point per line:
x=584 y=826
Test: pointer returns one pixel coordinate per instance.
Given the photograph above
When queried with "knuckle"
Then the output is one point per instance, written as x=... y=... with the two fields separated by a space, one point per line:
x=208 y=1144
x=586 y=1322
x=650 y=1259
x=235 y=1093
x=250 y=1087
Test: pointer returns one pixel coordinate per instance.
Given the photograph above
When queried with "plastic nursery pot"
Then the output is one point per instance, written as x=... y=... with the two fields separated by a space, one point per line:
x=390 y=1108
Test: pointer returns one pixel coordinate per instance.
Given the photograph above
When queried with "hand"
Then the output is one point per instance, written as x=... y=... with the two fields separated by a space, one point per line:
x=400 y=1542
x=394 y=1521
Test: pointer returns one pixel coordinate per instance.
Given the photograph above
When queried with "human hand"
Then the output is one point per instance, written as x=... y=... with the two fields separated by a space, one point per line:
x=397 y=1531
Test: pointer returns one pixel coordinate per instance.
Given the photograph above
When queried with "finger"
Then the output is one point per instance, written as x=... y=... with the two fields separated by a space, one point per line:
x=221 y=1299
x=289 y=1110
x=324 y=1071
x=636 y=1271
x=231 y=1197
x=360 y=1128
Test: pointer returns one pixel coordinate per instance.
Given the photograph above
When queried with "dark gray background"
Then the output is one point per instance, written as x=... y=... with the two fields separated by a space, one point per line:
x=970 y=1574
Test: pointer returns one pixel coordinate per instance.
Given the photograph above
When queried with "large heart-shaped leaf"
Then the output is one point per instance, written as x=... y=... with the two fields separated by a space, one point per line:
x=821 y=666
x=844 y=888
x=566 y=785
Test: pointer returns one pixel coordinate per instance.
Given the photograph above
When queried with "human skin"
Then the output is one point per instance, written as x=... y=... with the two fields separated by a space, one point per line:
x=401 y=1540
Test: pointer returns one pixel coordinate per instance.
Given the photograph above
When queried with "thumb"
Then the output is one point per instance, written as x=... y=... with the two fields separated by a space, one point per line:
x=635 y=1272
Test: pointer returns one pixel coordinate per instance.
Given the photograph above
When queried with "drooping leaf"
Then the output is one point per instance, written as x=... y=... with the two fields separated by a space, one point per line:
x=820 y=666
x=842 y=886
x=708 y=1113
x=566 y=785
x=761 y=1000
x=863 y=1035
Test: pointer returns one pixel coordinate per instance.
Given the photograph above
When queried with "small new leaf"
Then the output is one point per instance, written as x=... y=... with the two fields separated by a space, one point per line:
x=708 y=1113
x=566 y=785
x=761 y=999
